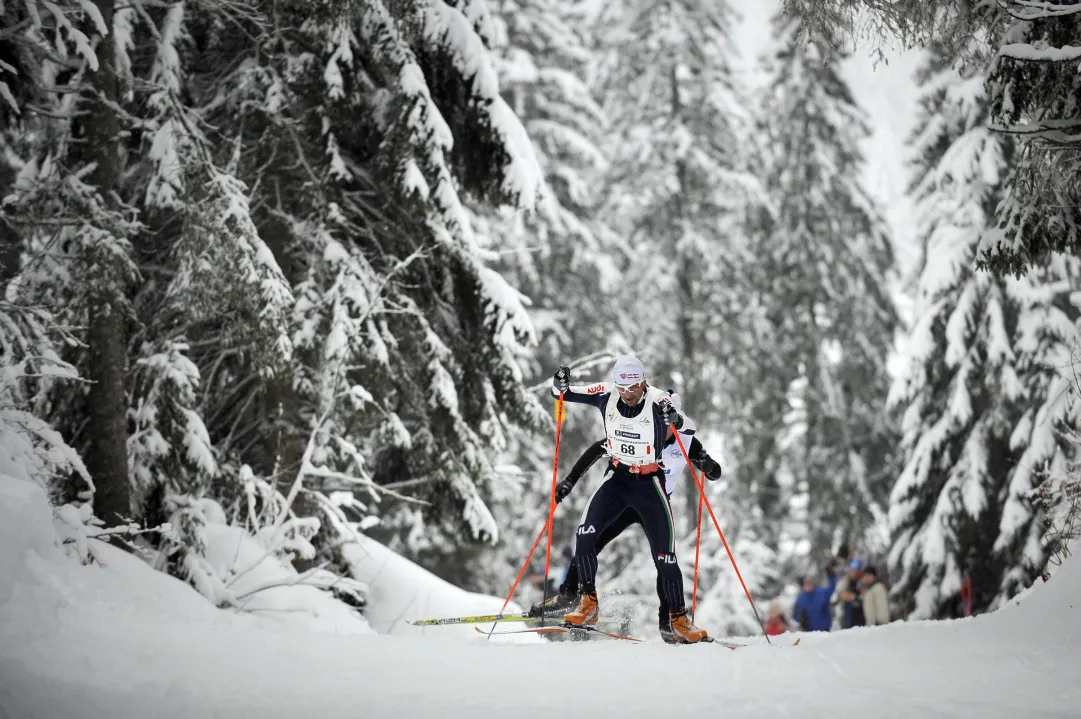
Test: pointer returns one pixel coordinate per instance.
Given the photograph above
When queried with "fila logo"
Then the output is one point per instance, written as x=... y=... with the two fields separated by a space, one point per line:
x=668 y=558
x=587 y=530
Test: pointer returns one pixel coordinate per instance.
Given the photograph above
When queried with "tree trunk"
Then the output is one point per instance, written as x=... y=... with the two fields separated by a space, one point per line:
x=107 y=431
x=287 y=435
x=285 y=438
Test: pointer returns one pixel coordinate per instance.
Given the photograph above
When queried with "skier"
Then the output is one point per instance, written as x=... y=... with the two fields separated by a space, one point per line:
x=636 y=420
x=672 y=459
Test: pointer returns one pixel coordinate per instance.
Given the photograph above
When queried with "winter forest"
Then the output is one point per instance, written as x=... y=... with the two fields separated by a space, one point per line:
x=298 y=274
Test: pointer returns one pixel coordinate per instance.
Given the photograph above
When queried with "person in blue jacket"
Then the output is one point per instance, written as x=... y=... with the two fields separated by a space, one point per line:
x=812 y=610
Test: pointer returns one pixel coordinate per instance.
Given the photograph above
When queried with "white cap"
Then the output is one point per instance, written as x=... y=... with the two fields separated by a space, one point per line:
x=628 y=370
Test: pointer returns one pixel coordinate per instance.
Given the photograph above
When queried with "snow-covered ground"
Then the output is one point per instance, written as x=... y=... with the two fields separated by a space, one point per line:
x=120 y=640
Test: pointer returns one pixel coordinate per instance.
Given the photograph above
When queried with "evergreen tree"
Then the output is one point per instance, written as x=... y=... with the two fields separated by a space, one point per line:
x=681 y=188
x=1030 y=70
x=982 y=400
x=274 y=218
x=824 y=267
x=1033 y=88
x=557 y=256
x=70 y=217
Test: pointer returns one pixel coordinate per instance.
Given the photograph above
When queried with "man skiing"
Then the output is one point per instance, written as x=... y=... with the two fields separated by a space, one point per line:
x=673 y=461
x=636 y=422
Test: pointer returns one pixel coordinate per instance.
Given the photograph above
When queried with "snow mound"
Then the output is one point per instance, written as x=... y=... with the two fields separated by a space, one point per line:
x=1050 y=610
x=400 y=591
x=25 y=530
x=261 y=583
x=116 y=639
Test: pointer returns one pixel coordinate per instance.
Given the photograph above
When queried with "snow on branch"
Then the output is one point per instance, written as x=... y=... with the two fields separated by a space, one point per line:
x=169 y=446
x=1031 y=53
x=448 y=28
x=227 y=271
x=1028 y=10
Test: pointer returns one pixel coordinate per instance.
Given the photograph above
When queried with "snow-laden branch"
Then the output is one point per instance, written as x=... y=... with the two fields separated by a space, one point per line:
x=1028 y=10
x=354 y=482
x=587 y=362
x=1053 y=133
x=1030 y=53
x=305 y=464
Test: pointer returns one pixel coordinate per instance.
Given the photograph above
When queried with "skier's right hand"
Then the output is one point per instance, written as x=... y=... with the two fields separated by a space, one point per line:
x=563 y=489
x=562 y=379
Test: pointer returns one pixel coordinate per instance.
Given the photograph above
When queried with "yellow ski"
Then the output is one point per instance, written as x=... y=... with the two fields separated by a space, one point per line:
x=479 y=619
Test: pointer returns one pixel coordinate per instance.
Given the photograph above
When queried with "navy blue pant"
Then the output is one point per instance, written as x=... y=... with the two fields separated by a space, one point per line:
x=629 y=518
x=644 y=496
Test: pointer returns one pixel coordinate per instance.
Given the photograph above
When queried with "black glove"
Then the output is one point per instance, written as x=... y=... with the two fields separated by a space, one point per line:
x=711 y=468
x=670 y=415
x=563 y=489
x=562 y=379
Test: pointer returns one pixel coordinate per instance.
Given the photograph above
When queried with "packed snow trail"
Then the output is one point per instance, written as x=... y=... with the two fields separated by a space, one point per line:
x=81 y=642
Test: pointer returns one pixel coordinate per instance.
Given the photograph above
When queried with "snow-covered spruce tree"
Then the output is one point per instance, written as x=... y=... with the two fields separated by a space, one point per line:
x=71 y=219
x=984 y=392
x=352 y=136
x=30 y=449
x=680 y=182
x=1034 y=84
x=824 y=264
x=680 y=189
x=1030 y=68
x=556 y=255
x=683 y=195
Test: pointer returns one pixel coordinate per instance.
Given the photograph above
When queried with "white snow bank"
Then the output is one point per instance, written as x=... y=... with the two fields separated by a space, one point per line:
x=120 y=640
x=25 y=529
x=263 y=584
x=34 y=571
x=400 y=591
x=1048 y=611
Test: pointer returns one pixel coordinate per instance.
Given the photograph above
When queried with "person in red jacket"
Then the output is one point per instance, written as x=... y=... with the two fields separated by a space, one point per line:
x=777 y=623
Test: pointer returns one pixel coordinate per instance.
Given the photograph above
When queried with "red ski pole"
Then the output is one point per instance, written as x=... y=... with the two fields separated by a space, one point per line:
x=522 y=570
x=545 y=529
x=702 y=497
x=552 y=502
x=697 y=549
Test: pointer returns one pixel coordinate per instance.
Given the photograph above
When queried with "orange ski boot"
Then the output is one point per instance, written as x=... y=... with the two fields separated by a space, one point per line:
x=684 y=631
x=586 y=613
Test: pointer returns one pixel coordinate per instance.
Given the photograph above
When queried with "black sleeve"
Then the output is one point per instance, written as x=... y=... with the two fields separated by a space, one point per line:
x=660 y=433
x=593 y=394
x=701 y=459
x=593 y=452
x=696 y=451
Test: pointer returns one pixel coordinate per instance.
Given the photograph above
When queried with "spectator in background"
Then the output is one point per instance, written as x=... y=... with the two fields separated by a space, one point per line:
x=848 y=598
x=811 y=611
x=876 y=607
x=776 y=623
x=844 y=556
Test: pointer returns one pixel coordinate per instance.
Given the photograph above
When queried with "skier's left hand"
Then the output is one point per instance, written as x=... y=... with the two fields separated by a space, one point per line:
x=563 y=489
x=670 y=415
x=711 y=468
